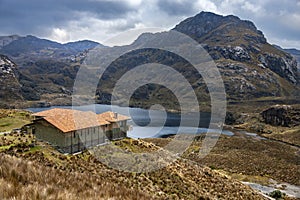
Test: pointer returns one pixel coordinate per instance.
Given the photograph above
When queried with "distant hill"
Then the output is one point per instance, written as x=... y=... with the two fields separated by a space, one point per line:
x=28 y=44
x=43 y=69
x=17 y=46
x=82 y=45
x=5 y=40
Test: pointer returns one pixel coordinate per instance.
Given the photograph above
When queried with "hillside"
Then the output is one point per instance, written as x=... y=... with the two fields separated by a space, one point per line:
x=238 y=41
x=251 y=68
x=32 y=170
x=45 y=70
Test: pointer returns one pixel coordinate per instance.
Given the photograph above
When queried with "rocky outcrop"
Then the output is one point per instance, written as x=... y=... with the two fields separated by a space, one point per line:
x=236 y=53
x=245 y=82
x=282 y=115
x=286 y=66
x=233 y=39
x=294 y=52
x=10 y=88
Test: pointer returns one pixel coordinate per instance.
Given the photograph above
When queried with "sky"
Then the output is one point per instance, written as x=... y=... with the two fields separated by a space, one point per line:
x=99 y=20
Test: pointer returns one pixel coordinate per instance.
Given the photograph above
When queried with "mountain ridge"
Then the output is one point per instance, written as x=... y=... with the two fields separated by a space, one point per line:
x=250 y=67
x=15 y=45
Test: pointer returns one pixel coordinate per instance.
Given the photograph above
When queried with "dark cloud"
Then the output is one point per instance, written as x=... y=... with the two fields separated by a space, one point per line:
x=173 y=7
x=31 y=16
x=277 y=19
x=80 y=19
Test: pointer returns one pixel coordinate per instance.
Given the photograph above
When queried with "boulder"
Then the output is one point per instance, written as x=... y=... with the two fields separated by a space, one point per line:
x=281 y=115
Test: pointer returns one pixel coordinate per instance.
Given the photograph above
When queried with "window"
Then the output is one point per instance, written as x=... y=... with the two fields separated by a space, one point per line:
x=74 y=135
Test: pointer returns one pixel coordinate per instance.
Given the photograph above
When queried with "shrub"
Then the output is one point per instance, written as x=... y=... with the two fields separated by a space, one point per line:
x=277 y=194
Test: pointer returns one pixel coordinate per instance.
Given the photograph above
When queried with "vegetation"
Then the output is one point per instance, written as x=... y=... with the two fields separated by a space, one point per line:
x=277 y=194
x=20 y=179
x=250 y=119
x=32 y=170
x=248 y=159
x=11 y=119
x=43 y=173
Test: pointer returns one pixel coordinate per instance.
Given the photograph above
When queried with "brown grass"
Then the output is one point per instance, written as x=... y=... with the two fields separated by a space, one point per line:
x=21 y=179
x=254 y=157
x=46 y=174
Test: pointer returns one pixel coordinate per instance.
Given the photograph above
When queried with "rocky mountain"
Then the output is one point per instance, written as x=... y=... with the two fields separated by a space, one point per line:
x=237 y=45
x=251 y=68
x=10 y=88
x=294 y=52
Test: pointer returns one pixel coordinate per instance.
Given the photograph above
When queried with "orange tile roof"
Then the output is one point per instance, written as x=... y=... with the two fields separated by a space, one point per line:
x=110 y=117
x=70 y=120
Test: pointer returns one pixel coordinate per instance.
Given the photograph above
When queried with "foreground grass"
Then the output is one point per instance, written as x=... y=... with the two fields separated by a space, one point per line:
x=40 y=172
x=20 y=179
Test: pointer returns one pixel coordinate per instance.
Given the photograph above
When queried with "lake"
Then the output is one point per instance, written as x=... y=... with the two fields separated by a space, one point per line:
x=151 y=123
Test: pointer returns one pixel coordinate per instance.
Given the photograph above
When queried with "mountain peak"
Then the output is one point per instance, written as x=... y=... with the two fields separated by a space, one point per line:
x=218 y=27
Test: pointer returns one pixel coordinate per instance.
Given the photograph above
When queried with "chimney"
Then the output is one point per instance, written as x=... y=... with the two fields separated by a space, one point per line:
x=115 y=115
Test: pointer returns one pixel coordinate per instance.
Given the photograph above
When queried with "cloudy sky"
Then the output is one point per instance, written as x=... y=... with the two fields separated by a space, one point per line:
x=70 y=20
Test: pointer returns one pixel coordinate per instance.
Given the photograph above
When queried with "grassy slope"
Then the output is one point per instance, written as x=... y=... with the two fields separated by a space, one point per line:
x=257 y=160
x=43 y=173
x=10 y=119
x=20 y=179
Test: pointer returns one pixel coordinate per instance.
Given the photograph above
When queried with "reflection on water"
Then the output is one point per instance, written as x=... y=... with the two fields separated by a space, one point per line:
x=160 y=124
x=157 y=132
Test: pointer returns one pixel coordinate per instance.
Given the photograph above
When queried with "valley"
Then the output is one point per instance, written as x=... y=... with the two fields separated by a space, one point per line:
x=259 y=145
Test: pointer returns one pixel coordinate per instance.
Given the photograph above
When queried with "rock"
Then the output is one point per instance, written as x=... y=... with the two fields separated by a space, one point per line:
x=10 y=88
x=286 y=67
x=281 y=115
x=231 y=118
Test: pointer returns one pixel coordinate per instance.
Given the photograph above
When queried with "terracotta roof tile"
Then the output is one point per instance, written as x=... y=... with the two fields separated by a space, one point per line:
x=113 y=117
x=70 y=120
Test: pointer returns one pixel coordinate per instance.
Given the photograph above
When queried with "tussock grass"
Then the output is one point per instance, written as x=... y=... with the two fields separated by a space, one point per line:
x=43 y=173
x=21 y=179
x=253 y=157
